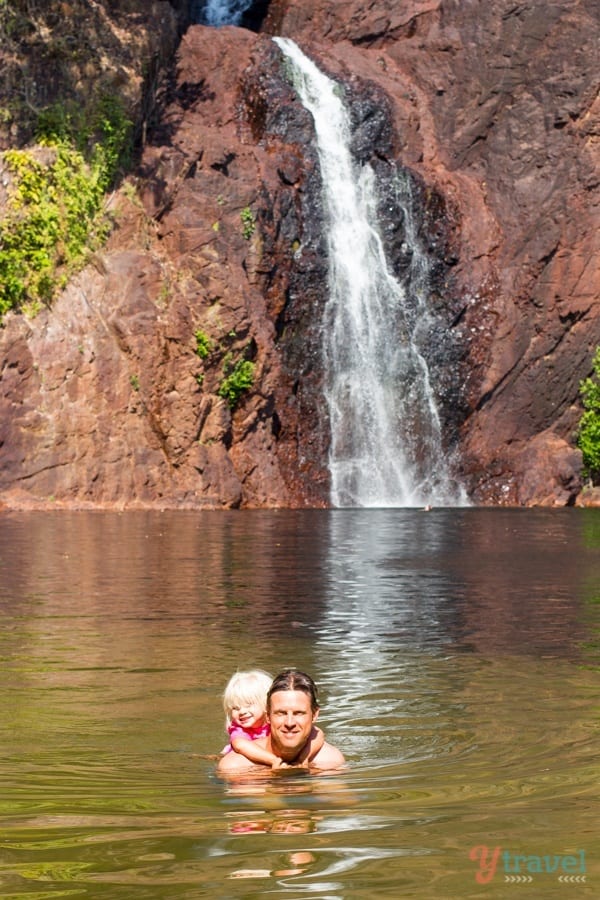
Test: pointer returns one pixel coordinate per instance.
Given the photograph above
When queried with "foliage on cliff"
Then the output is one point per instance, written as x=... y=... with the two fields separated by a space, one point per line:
x=74 y=78
x=589 y=427
x=54 y=210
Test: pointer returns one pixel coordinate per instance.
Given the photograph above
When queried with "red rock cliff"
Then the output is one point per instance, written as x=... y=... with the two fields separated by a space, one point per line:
x=117 y=396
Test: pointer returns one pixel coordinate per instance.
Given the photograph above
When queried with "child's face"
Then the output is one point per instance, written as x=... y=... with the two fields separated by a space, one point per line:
x=248 y=714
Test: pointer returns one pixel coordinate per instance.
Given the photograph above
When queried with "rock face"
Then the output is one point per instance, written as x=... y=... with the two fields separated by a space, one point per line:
x=129 y=391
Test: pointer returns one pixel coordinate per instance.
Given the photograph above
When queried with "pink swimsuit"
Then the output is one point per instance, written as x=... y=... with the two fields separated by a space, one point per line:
x=251 y=734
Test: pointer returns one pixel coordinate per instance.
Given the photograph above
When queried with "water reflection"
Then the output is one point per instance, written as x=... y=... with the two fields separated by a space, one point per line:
x=503 y=580
x=456 y=654
x=509 y=582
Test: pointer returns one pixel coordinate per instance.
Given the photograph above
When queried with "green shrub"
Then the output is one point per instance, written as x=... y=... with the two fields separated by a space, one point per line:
x=203 y=343
x=102 y=133
x=51 y=219
x=54 y=211
x=237 y=380
x=588 y=438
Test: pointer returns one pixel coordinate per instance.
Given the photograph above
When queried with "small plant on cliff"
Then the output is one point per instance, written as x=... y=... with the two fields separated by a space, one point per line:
x=588 y=437
x=203 y=343
x=238 y=379
x=248 y=222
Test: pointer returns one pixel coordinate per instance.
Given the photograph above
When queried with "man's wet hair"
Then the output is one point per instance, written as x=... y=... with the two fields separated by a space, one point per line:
x=294 y=680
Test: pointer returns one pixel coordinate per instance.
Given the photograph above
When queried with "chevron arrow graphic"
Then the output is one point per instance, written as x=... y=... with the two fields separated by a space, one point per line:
x=518 y=878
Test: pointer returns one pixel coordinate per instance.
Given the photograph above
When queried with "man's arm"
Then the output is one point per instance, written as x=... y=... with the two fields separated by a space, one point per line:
x=317 y=739
x=310 y=749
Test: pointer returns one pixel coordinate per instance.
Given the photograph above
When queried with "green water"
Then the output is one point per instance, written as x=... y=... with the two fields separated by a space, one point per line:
x=457 y=658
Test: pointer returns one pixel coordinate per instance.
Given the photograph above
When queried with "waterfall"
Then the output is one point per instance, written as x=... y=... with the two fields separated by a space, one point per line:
x=221 y=12
x=386 y=443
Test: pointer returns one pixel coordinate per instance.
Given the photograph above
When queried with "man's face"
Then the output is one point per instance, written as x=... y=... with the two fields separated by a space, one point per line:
x=291 y=719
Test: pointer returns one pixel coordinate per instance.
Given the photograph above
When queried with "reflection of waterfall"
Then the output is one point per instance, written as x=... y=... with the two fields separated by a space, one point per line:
x=221 y=12
x=386 y=447
x=390 y=615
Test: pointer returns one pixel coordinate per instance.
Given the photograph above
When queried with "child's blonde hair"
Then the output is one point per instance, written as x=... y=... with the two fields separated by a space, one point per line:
x=246 y=687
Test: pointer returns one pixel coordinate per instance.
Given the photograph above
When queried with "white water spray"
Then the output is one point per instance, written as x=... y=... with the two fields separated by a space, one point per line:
x=222 y=12
x=386 y=448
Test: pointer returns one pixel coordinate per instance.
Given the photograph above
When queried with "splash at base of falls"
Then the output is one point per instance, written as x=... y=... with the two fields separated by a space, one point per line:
x=386 y=441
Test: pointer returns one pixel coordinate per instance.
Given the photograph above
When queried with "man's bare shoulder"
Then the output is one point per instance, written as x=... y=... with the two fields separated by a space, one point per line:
x=236 y=762
x=328 y=757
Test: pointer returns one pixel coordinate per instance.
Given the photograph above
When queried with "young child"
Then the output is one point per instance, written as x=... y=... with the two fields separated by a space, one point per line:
x=245 y=705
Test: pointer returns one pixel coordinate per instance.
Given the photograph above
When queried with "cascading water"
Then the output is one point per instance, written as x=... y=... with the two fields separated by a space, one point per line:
x=221 y=12
x=386 y=447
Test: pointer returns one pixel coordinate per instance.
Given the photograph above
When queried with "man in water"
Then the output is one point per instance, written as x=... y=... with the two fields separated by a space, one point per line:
x=292 y=708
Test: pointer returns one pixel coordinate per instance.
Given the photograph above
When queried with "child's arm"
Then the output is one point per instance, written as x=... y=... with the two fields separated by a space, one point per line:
x=251 y=751
x=316 y=741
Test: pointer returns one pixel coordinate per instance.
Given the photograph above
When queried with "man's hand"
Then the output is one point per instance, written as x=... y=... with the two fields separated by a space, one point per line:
x=279 y=765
